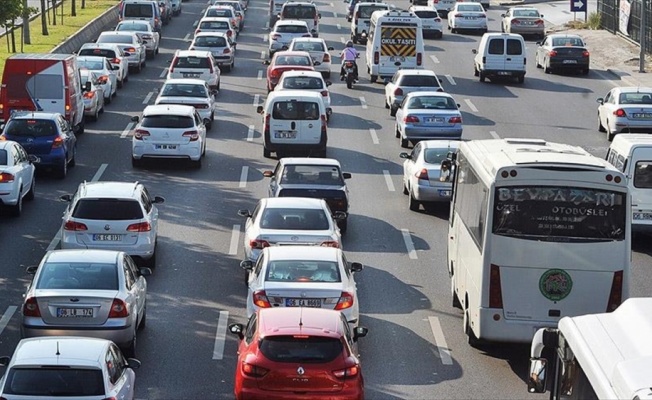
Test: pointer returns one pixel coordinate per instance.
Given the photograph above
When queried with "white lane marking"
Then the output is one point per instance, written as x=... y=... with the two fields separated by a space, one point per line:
x=440 y=341
x=450 y=79
x=149 y=95
x=471 y=106
x=342 y=39
x=332 y=5
x=235 y=240
x=194 y=24
x=388 y=181
x=187 y=37
x=264 y=37
x=6 y=317
x=267 y=25
x=256 y=100
x=334 y=14
x=57 y=236
x=163 y=73
x=374 y=136
x=260 y=75
x=363 y=103
x=220 y=335
x=128 y=129
x=243 y=177
x=434 y=59
x=262 y=55
x=407 y=238
x=250 y=133
x=494 y=134
x=339 y=26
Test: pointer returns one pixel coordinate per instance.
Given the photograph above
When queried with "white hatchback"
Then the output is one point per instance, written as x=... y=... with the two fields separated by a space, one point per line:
x=16 y=176
x=195 y=64
x=319 y=52
x=169 y=131
x=283 y=32
x=306 y=80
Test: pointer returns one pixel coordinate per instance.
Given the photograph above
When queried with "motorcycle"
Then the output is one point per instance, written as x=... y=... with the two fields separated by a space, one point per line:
x=349 y=73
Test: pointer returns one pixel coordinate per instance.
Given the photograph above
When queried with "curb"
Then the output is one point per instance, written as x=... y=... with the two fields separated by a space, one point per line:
x=511 y=3
x=623 y=76
x=89 y=32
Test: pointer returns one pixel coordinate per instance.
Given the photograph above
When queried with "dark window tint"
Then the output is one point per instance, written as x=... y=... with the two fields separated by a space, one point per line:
x=643 y=174
x=302 y=83
x=303 y=271
x=311 y=175
x=184 y=90
x=432 y=103
x=54 y=382
x=426 y=14
x=293 y=60
x=219 y=12
x=470 y=7
x=299 y=219
x=567 y=41
x=133 y=27
x=167 y=121
x=299 y=12
x=139 y=10
x=3 y=157
x=303 y=110
x=91 y=64
x=301 y=349
x=45 y=86
x=31 y=127
x=417 y=80
x=214 y=25
x=635 y=98
x=292 y=29
x=210 y=41
x=192 y=62
x=497 y=46
x=98 y=52
x=435 y=156
x=78 y=276
x=514 y=47
x=119 y=39
x=308 y=46
x=365 y=12
x=107 y=209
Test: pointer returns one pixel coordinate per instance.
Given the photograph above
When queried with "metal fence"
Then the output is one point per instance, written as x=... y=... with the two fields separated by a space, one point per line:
x=609 y=11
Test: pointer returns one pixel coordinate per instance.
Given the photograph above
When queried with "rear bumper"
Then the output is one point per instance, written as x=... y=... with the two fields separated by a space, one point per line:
x=417 y=133
x=527 y=30
x=11 y=196
x=432 y=193
x=119 y=334
x=503 y=73
x=624 y=125
x=50 y=160
x=190 y=150
x=144 y=248
x=504 y=330
x=352 y=390
x=299 y=147
x=559 y=64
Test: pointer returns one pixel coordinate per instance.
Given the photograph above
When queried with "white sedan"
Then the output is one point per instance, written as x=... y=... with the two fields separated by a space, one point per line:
x=108 y=79
x=318 y=50
x=467 y=16
x=16 y=176
x=303 y=276
x=625 y=110
x=193 y=92
x=145 y=32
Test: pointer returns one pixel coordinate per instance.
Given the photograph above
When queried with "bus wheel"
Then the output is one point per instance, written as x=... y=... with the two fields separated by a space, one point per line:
x=471 y=339
x=373 y=78
x=456 y=300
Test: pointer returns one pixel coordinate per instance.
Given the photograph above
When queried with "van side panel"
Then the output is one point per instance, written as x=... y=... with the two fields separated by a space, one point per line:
x=640 y=185
x=25 y=81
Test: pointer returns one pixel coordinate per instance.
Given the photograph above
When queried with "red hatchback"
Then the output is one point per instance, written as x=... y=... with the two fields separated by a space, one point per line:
x=298 y=353
x=287 y=61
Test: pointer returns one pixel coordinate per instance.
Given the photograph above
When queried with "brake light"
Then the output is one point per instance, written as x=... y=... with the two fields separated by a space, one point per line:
x=327 y=58
x=455 y=120
x=74 y=226
x=539 y=22
x=258 y=244
x=410 y=119
x=423 y=174
x=260 y=299
x=585 y=53
x=253 y=370
x=6 y=177
x=57 y=142
x=274 y=73
x=495 y=291
x=89 y=95
x=357 y=15
x=376 y=57
x=107 y=398
x=193 y=135
x=276 y=36
x=516 y=22
x=115 y=61
x=323 y=127
x=102 y=79
x=347 y=372
x=140 y=134
x=398 y=92
x=131 y=50
x=330 y=243
x=345 y=301
x=140 y=227
x=30 y=308
x=199 y=30
x=552 y=53
x=324 y=93
x=419 y=58
x=616 y=294
x=620 y=113
x=266 y=124
x=437 y=19
x=227 y=50
x=118 y=309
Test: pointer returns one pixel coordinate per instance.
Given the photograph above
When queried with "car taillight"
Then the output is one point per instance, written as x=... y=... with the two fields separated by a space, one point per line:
x=616 y=294
x=437 y=19
x=200 y=106
x=89 y=95
x=410 y=119
x=552 y=53
x=115 y=61
x=74 y=226
x=345 y=301
x=324 y=93
x=227 y=51
x=191 y=48
x=258 y=244
x=538 y=22
x=131 y=50
x=327 y=58
x=118 y=309
x=193 y=135
x=57 y=142
x=423 y=174
x=102 y=79
x=585 y=53
x=357 y=15
x=274 y=73
x=347 y=372
x=495 y=290
x=455 y=120
x=276 y=36
x=199 y=30
x=516 y=22
x=140 y=227
x=30 y=308
x=376 y=57
x=620 y=113
x=253 y=370
x=419 y=58
x=260 y=299
x=6 y=177
x=323 y=125
x=330 y=243
x=398 y=92
x=140 y=133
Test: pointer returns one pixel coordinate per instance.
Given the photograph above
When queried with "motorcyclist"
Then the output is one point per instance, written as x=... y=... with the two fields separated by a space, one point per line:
x=349 y=54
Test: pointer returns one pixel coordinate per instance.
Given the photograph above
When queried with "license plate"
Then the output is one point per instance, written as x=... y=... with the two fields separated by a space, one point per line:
x=471 y=18
x=165 y=146
x=642 y=115
x=303 y=302
x=527 y=23
x=570 y=61
x=446 y=193
x=185 y=75
x=107 y=238
x=504 y=73
x=348 y=70
x=643 y=216
x=434 y=120
x=74 y=312
x=285 y=134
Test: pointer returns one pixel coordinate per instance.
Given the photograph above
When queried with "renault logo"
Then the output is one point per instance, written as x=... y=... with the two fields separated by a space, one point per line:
x=107 y=227
x=300 y=371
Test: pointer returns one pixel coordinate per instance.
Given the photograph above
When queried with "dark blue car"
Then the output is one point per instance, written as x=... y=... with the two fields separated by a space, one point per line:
x=45 y=135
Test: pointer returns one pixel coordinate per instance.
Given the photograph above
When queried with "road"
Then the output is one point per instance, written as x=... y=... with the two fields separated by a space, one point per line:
x=416 y=348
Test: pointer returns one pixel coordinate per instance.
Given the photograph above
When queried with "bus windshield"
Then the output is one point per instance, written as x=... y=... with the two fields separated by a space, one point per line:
x=560 y=214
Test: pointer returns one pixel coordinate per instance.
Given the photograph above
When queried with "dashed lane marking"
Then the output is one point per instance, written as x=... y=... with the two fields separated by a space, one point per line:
x=339 y=26
x=260 y=75
x=363 y=103
x=264 y=37
x=262 y=55
x=494 y=134
x=164 y=73
x=6 y=317
x=440 y=341
x=187 y=37
x=374 y=136
x=128 y=129
x=243 y=177
x=256 y=100
x=148 y=97
x=409 y=245
x=388 y=181
x=250 y=133
x=235 y=240
x=220 y=335
x=471 y=105
x=450 y=80
x=434 y=59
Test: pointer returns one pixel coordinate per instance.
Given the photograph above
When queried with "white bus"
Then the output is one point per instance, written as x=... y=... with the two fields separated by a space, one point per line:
x=596 y=356
x=538 y=231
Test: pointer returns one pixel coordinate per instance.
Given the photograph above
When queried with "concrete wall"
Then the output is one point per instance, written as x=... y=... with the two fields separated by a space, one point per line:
x=89 y=32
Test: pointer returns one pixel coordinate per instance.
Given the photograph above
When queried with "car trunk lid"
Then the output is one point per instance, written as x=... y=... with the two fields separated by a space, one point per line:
x=88 y=307
x=308 y=294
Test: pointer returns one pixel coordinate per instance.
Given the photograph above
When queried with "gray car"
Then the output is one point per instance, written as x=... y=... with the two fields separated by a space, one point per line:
x=131 y=44
x=523 y=20
x=92 y=293
x=220 y=46
x=428 y=115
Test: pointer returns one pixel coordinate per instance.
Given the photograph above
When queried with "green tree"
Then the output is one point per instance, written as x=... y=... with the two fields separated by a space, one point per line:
x=10 y=10
x=44 y=20
x=27 y=12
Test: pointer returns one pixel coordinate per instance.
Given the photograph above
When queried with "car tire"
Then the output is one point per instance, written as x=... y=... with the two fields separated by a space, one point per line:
x=107 y=100
x=96 y=115
x=585 y=71
x=404 y=142
x=373 y=78
x=405 y=189
x=546 y=68
x=343 y=225
x=520 y=79
x=266 y=153
x=227 y=68
x=130 y=350
x=413 y=204
x=246 y=278
x=397 y=133
x=136 y=163
x=392 y=111
x=471 y=339
x=482 y=76
x=29 y=196
x=610 y=136
x=143 y=320
x=120 y=83
x=502 y=28
x=62 y=171
x=386 y=103
x=536 y=62
x=475 y=71
x=17 y=209
x=600 y=127
x=73 y=160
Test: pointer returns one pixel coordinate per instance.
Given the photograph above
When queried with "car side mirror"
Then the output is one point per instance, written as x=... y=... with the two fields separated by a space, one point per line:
x=346 y=175
x=502 y=15
x=135 y=118
x=33 y=159
x=536 y=380
x=31 y=269
x=65 y=197
x=5 y=360
x=541 y=16
x=144 y=271
x=237 y=329
x=259 y=109
x=538 y=43
x=319 y=15
x=339 y=215
x=356 y=266
x=266 y=62
x=474 y=51
x=244 y=213
x=158 y=199
x=115 y=67
x=316 y=63
x=268 y=174
x=600 y=101
x=328 y=83
x=359 y=332
x=407 y=156
x=247 y=264
x=133 y=363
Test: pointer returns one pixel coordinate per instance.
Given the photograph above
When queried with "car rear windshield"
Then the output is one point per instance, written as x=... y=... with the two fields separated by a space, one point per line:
x=210 y=41
x=303 y=271
x=183 y=90
x=3 y=157
x=365 y=12
x=299 y=12
x=219 y=12
x=301 y=349
x=108 y=209
x=470 y=8
x=308 y=46
x=120 y=39
x=426 y=14
x=90 y=276
x=133 y=27
x=106 y=53
x=191 y=62
x=294 y=218
x=635 y=98
x=292 y=29
x=526 y=13
x=432 y=103
x=311 y=175
x=293 y=60
x=435 y=156
x=235 y=4
x=419 y=80
x=214 y=25
x=167 y=121
x=91 y=64
x=138 y=11
x=54 y=382
x=31 y=128
x=567 y=41
x=302 y=110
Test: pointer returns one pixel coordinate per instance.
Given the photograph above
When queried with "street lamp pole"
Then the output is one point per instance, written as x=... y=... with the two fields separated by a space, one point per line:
x=643 y=36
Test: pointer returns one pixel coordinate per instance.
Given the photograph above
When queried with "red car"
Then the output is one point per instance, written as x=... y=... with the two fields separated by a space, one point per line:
x=287 y=61
x=298 y=353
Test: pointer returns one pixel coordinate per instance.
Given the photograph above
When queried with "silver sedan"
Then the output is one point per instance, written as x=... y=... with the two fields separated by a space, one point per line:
x=145 y=32
x=625 y=109
x=523 y=20
x=428 y=115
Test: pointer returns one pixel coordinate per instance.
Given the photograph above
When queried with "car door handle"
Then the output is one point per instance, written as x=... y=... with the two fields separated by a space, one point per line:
x=508 y=59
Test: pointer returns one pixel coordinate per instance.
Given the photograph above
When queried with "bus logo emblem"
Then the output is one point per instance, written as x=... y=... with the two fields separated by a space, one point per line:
x=555 y=284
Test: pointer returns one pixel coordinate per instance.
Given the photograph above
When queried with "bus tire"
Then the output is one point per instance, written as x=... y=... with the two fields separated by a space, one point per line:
x=456 y=300
x=373 y=78
x=471 y=339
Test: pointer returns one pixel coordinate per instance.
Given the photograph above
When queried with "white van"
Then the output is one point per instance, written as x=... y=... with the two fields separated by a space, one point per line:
x=275 y=7
x=631 y=153
x=395 y=42
x=500 y=55
x=302 y=11
x=294 y=120
x=142 y=10
x=361 y=19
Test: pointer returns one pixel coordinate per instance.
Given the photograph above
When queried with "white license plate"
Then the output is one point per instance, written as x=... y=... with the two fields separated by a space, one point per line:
x=643 y=216
x=642 y=115
x=570 y=61
x=471 y=18
x=446 y=193
x=504 y=73
x=165 y=146
x=434 y=120
x=107 y=238
x=185 y=75
x=285 y=134
x=303 y=302
x=74 y=312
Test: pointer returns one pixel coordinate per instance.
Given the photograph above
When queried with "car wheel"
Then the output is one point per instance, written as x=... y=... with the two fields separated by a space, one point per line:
x=62 y=171
x=17 y=209
x=373 y=78
x=482 y=76
x=130 y=350
x=120 y=83
x=397 y=133
x=536 y=62
x=521 y=79
x=475 y=71
x=386 y=103
x=502 y=28
x=266 y=153
x=246 y=278
x=144 y=64
x=72 y=161
x=585 y=71
x=413 y=204
x=392 y=111
x=405 y=189
x=404 y=143
x=343 y=225
x=471 y=339
x=600 y=127
x=32 y=190
x=227 y=68
x=126 y=78
x=546 y=68
x=107 y=100
x=135 y=163
x=96 y=115
x=156 y=51
x=610 y=136
x=143 y=319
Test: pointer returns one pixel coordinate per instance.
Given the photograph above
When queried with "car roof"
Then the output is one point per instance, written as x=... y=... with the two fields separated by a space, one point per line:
x=565 y=35
x=417 y=71
x=193 y=53
x=206 y=33
x=92 y=58
x=117 y=33
x=307 y=253
x=292 y=53
x=293 y=202
x=429 y=93
x=290 y=22
x=299 y=3
x=134 y=22
x=112 y=46
x=311 y=74
x=167 y=109
x=299 y=320
x=83 y=255
x=110 y=189
x=73 y=351
x=308 y=160
x=294 y=94
x=210 y=19
x=422 y=8
x=34 y=115
x=185 y=81
x=308 y=39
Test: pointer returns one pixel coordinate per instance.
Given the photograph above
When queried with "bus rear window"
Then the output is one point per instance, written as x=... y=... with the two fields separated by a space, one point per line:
x=551 y=213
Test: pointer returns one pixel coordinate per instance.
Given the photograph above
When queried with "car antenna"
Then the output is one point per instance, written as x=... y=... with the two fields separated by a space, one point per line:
x=58 y=353
x=301 y=319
